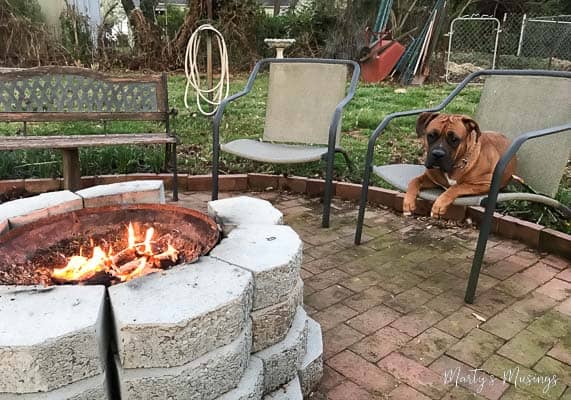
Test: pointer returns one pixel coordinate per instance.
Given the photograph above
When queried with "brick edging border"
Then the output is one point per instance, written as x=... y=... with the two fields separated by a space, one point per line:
x=533 y=235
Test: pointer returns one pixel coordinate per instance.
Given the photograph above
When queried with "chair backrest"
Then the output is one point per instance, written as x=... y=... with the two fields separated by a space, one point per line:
x=301 y=100
x=514 y=105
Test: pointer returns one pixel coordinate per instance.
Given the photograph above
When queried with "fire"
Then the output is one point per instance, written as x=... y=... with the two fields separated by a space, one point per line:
x=137 y=259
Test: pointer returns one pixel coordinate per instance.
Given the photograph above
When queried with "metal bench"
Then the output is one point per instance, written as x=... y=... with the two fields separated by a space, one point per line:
x=69 y=94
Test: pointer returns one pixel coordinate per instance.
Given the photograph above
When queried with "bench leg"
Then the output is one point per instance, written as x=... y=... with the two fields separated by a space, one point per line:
x=174 y=174
x=168 y=157
x=71 y=169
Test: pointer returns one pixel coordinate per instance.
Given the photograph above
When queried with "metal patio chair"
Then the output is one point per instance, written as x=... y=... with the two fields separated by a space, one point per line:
x=305 y=101
x=523 y=105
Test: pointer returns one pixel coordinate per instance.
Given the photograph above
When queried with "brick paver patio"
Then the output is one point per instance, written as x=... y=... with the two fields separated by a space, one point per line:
x=394 y=322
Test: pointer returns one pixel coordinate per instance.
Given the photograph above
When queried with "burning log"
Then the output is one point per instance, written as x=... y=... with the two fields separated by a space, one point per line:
x=128 y=267
x=97 y=278
x=166 y=259
x=124 y=256
x=137 y=259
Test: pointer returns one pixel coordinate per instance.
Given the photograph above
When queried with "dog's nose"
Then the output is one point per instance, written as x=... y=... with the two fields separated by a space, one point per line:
x=438 y=153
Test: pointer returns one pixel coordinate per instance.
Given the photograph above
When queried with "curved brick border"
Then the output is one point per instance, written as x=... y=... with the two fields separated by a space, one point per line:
x=533 y=235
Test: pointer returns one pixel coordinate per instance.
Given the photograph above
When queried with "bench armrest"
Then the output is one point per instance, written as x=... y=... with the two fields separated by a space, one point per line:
x=171 y=122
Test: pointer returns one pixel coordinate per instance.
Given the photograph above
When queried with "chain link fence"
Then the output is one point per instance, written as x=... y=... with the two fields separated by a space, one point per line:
x=521 y=42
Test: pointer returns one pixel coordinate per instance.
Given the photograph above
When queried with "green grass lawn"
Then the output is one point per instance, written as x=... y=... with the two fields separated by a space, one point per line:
x=244 y=118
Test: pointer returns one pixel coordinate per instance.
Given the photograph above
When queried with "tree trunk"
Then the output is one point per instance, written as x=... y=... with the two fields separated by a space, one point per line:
x=276 y=7
x=193 y=15
x=128 y=6
x=148 y=9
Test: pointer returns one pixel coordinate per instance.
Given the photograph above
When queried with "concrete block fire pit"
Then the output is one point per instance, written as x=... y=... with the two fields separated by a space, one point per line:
x=24 y=211
x=134 y=192
x=53 y=340
x=230 y=326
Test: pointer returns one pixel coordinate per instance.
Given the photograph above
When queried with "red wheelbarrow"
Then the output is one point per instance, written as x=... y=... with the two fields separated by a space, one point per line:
x=378 y=60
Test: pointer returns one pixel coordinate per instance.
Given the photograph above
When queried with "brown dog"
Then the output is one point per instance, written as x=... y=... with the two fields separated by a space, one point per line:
x=460 y=158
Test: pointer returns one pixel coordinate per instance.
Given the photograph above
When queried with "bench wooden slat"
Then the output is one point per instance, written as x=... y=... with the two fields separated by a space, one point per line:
x=74 y=141
x=81 y=116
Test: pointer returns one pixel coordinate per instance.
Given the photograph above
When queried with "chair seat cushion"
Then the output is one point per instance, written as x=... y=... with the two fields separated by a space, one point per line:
x=399 y=175
x=277 y=153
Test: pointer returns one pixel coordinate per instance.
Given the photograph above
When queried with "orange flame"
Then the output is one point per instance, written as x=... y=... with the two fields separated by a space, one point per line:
x=130 y=236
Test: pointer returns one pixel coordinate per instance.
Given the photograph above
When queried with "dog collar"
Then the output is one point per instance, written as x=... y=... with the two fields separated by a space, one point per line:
x=462 y=164
x=464 y=161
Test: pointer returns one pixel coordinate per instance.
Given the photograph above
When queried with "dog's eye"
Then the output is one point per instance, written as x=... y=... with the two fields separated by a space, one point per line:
x=453 y=139
x=431 y=136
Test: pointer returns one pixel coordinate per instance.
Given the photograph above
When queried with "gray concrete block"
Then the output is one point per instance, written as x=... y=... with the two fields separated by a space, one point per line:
x=271 y=324
x=271 y=252
x=24 y=211
x=290 y=391
x=132 y=192
x=50 y=337
x=282 y=360
x=243 y=210
x=170 y=318
x=205 y=378
x=94 y=388
x=311 y=369
x=251 y=385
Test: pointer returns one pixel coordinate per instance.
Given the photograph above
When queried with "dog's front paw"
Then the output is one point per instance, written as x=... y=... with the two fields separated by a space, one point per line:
x=408 y=205
x=439 y=208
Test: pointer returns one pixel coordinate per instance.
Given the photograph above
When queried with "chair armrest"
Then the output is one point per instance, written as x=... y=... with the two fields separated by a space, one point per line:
x=385 y=122
x=222 y=106
x=486 y=224
x=507 y=156
x=341 y=105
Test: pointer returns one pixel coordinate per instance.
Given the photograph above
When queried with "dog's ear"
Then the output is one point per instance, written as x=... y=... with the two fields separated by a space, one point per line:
x=423 y=121
x=471 y=126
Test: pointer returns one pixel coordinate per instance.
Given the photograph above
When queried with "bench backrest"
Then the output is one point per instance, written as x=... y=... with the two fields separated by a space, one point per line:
x=514 y=105
x=46 y=94
x=301 y=100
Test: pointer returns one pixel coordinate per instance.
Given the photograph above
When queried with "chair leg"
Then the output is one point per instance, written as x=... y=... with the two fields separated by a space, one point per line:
x=362 y=205
x=215 y=162
x=174 y=174
x=485 y=229
x=328 y=193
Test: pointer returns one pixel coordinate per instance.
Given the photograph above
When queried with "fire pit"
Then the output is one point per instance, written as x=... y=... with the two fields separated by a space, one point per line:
x=202 y=322
x=104 y=245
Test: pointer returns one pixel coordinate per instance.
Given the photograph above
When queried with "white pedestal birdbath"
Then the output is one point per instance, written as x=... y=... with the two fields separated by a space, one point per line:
x=279 y=45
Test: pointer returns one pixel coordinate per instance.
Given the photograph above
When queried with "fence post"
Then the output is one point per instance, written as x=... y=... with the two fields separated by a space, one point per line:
x=521 y=34
x=498 y=31
x=450 y=34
